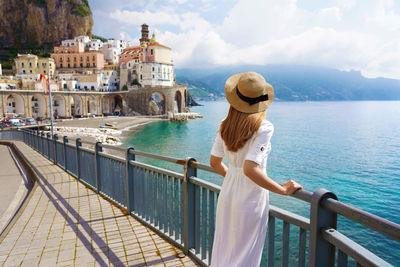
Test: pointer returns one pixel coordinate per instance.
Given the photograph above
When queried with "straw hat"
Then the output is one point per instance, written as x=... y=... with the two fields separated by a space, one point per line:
x=249 y=92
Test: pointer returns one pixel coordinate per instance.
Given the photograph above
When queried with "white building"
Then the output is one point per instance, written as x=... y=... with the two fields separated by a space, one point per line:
x=112 y=49
x=153 y=74
x=111 y=54
x=83 y=39
x=69 y=42
x=1 y=71
x=117 y=43
x=94 y=45
x=109 y=80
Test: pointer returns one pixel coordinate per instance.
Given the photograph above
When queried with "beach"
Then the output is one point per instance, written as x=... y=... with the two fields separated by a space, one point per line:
x=89 y=129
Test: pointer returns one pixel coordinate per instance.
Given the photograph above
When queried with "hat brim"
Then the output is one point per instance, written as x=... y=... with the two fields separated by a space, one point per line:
x=239 y=104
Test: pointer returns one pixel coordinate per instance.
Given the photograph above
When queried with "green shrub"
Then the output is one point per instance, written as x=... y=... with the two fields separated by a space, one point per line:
x=135 y=82
x=125 y=88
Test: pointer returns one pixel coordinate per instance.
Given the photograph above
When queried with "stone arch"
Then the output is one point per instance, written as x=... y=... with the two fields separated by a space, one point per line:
x=107 y=105
x=92 y=105
x=117 y=105
x=178 y=102
x=59 y=106
x=15 y=105
x=156 y=104
x=76 y=105
x=39 y=106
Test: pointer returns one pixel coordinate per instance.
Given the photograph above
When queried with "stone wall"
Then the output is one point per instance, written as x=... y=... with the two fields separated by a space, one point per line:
x=140 y=100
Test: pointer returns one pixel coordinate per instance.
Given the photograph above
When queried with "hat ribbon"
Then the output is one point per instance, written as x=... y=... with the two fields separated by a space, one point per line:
x=251 y=100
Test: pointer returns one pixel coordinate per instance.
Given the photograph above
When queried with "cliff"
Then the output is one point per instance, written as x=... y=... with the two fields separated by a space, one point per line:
x=34 y=22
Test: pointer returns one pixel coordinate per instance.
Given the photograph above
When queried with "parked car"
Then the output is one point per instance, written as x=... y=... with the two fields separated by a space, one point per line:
x=5 y=124
x=30 y=121
x=16 y=122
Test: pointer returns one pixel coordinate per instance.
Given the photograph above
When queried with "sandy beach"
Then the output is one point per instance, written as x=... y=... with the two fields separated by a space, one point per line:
x=88 y=129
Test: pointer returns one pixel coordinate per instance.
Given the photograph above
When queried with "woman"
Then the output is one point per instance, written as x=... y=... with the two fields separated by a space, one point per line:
x=244 y=140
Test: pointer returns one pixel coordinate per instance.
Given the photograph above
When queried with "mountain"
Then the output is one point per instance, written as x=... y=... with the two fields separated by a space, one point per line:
x=301 y=83
x=30 y=23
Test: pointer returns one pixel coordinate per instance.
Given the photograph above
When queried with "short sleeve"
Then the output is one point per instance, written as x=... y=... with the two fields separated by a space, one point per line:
x=261 y=145
x=218 y=147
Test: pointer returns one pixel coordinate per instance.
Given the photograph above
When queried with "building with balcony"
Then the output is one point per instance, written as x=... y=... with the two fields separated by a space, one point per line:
x=67 y=60
x=27 y=64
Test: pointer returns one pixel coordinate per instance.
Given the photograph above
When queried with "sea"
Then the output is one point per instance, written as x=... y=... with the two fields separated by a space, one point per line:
x=351 y=148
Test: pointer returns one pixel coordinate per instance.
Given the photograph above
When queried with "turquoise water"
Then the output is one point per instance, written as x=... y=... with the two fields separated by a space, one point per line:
x=349 y=148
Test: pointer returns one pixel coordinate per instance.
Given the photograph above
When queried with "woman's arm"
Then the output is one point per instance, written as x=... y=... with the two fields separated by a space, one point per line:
x=217 y=164
x=253 y=171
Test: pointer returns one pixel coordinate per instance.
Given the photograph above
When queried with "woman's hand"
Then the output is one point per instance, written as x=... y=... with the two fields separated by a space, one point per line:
x=290 y=187
x=217 y=164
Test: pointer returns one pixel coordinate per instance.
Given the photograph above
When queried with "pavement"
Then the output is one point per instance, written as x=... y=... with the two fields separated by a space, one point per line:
x=66 y=224
x=14 y=185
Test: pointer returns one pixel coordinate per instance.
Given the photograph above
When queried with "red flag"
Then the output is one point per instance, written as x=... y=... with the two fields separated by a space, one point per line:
x=47 y=89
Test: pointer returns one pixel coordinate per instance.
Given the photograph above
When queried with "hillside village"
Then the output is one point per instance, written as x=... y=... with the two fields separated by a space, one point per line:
x=92 y=66
x=83 y=63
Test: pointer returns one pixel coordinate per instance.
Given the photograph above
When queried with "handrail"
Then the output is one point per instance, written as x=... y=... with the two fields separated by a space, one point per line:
x=354 y=250
x=210 y=186
x=153 y=156
x=153 y=168
x=290 y=217
x=372 y=221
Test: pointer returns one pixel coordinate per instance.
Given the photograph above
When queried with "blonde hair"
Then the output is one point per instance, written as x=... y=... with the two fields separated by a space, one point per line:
x=238 y=127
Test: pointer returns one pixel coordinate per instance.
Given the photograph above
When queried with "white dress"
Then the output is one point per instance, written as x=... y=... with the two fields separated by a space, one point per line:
x=242 y=209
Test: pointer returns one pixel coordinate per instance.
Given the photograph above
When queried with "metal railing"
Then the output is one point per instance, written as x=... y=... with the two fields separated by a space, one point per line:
x=181 y=207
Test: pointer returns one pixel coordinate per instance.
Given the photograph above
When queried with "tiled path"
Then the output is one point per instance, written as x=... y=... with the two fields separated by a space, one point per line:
x=66 y=224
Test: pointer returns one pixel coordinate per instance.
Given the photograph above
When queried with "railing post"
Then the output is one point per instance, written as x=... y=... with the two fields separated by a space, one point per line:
x=321 y=252
x=98 y=148
x=42 y=142
x=65 y=141
x=48 y=145
x=129 y=180
x=55 y=138
x=78 y=143
x=188 y=206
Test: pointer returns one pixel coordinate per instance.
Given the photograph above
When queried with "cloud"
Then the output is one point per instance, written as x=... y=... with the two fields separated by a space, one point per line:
x=350 y=34
x=137 y=18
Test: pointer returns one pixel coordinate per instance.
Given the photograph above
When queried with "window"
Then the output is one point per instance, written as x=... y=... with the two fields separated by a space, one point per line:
x=43 y=72
x=88 y=65
x=94 y=64
x=81 y=59
x=141 y=76
x=22 y=64
x=61 y=65
x=74 y=59
x=151 y=51
x=81 y=65
x=87 y=58
x=152 y=68
x=67 y=59
x=94 y=58
x=69 y=66
x=74 y=65
x=61 y=59
x=30 y=71
x=30 y=64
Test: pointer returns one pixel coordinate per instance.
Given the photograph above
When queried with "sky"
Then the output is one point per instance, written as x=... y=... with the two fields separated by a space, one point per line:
x=361 y=35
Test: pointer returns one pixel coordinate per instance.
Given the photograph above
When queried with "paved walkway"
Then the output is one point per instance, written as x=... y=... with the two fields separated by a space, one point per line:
x=66 y=224
x=11 y=180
